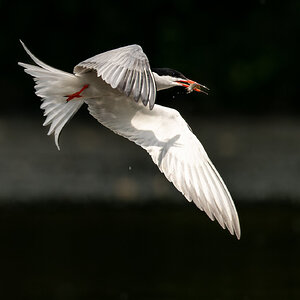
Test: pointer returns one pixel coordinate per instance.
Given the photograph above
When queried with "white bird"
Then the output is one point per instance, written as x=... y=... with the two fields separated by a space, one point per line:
x=120 y=88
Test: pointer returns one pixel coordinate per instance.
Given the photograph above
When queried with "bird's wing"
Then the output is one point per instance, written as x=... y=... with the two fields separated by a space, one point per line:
x=126 y=69
x=165 y=135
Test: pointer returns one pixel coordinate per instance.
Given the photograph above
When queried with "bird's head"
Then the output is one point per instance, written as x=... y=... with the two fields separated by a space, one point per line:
x=166 y=78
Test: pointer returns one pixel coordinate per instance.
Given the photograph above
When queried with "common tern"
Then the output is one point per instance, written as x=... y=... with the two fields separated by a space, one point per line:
x=119 y=88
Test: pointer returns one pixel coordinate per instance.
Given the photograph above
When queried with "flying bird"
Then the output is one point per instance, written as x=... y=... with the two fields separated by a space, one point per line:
x=119 y=88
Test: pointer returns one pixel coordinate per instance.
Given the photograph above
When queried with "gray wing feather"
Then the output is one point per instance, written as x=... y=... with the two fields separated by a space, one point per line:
x=126 y=69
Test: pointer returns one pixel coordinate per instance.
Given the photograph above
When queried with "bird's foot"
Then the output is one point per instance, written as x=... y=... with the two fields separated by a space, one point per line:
x=77 y=94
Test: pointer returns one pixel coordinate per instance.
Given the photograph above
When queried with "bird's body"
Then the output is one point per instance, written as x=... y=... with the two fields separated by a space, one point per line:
x=120 y=88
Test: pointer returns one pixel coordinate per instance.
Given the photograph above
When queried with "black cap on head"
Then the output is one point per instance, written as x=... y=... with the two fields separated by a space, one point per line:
x=168 y=71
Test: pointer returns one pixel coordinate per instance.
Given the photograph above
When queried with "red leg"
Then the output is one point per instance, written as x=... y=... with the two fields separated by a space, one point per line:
x=77 y=94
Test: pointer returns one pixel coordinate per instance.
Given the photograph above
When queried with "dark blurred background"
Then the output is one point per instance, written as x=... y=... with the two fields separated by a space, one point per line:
x=97 y=220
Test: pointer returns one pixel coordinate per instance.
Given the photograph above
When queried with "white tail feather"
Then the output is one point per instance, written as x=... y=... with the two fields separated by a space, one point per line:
x=52 y=85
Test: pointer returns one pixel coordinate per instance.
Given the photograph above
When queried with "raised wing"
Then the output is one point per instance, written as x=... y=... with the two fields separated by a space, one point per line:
x=126 y=69
x=175 y=149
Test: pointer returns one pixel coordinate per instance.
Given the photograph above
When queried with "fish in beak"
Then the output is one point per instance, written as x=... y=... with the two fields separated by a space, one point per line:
x=191 y=86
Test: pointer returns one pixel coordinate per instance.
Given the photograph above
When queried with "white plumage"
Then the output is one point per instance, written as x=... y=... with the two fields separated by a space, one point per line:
x=112 y=81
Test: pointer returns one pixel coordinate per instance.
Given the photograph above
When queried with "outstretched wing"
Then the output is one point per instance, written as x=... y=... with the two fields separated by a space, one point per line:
x=126 y=69
x=165 y=135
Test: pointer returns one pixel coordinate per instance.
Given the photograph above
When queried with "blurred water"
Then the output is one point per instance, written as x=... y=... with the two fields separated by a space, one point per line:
x=89 y=251
x=258 y=159
x=97 y=220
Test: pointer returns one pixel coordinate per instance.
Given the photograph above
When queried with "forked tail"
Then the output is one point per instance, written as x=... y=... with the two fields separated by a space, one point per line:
x=55 y=87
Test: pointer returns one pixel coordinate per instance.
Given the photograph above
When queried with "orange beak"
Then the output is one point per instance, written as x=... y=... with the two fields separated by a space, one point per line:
x=191 y=86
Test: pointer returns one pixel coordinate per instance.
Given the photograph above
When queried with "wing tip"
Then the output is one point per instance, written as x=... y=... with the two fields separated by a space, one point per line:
x=234 y=227
x=238 y=232
x=235 y=230
x=151 y=104
x=57 y=140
